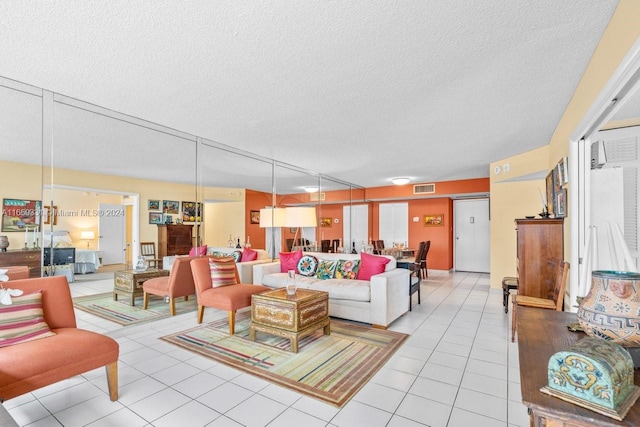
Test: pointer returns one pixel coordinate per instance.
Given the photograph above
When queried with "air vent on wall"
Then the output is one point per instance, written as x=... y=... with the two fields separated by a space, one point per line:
x=424 y=188
x=316 y=197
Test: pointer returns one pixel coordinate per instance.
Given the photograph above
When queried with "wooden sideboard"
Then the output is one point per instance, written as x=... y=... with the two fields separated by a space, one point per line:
x=29 y=257
x=538 y=242
x=542 y=333
x=174 y=239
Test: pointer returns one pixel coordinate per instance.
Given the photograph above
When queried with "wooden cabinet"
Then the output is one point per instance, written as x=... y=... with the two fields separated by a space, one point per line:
x=539 y=241
x=174 y=239
x=30 y=258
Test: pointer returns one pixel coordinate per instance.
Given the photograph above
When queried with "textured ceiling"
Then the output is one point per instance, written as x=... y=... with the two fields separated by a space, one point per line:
x=357 y=90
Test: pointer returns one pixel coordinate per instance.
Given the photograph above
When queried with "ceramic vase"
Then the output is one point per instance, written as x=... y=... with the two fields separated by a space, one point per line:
x=611 y=309
x=4 y=243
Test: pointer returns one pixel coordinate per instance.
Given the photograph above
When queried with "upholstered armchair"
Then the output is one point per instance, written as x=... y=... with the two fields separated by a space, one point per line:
x=179 y=283
x=224 y=291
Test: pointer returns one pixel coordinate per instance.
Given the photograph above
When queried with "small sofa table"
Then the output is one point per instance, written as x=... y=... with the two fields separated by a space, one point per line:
x=542 y=333
x=129 y=282
x=290 y=316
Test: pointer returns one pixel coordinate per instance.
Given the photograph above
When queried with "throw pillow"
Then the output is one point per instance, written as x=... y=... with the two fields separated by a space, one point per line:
x=249 y=254
x=236 y=255
x=289 y=260
x=198 y=251
x=223 y=272
x=308 y=265
x=347 y=268
x=23 y=320
x=371 y=265
x=326 y=269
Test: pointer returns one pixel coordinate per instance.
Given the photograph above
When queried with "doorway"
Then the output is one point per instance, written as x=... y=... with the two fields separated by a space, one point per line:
x=472 y=235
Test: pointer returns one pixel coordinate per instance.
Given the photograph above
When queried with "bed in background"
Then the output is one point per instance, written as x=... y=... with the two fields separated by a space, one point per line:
x=87 y=260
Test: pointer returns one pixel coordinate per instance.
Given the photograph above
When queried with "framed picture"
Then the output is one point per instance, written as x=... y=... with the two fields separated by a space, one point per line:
x=550 y=192
x=155 y=217
x=433 y=220
x=191 y=211
x=168 y=219
x=170 y=207
x=254 y=217
x=50 y=217
x=561 y=204
x=20 y=215
x=326 y=222
x=293 y=230
x=563 y=171
x=153 y=205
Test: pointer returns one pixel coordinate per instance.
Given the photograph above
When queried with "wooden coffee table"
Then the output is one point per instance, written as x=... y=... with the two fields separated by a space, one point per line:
x=292 y=317
x=129 y=282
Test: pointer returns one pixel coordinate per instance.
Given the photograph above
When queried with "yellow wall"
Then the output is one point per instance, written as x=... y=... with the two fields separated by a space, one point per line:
x=623 y=30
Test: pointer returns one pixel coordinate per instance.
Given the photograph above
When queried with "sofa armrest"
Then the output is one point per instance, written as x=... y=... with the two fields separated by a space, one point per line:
x=245 y=269
x=389 y=296
x=261 y=270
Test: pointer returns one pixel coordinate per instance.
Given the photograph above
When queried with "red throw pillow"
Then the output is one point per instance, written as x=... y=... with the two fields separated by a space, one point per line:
x=198 y=251
x=371 y=265
x=249 y=254
x=289 y=260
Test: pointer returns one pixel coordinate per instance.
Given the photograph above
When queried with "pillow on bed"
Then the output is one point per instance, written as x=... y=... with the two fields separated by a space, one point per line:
x=63 y=244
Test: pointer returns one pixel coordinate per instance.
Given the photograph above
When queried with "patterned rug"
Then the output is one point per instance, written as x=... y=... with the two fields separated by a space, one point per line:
x=121 y=312
x=330 y=368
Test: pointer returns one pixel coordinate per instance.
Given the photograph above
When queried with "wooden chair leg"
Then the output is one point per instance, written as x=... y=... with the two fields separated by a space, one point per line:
x=172 y=306
x=232 y=322
x=112 y=380
x=200 y=313
x=145 y=300
x=186 y=297
x=513 y=318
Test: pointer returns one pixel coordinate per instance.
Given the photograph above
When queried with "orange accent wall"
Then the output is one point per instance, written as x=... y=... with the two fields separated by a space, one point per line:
x=476 y=185
x=254 y=201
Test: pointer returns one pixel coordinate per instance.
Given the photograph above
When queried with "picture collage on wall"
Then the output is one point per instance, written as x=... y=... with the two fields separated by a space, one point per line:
x=169 y=211
x=556 y=182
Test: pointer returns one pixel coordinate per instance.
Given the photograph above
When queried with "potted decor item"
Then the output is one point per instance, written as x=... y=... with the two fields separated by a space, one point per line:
x=611 y=309
x=4 y=243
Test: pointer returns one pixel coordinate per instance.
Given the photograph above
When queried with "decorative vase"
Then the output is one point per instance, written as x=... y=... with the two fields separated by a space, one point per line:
x=611 y=309
x=291 y=282
x=141 y=265
x=4 y=243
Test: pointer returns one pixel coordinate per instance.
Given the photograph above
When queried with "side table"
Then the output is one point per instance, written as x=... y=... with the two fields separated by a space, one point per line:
x=129 y=282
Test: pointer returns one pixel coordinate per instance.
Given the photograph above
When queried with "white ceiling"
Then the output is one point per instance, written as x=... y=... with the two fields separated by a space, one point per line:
x=361 y=91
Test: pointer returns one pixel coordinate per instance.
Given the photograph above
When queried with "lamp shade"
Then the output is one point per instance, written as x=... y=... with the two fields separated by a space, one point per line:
x=87 y=235
x=272 y=217
x=300 y=217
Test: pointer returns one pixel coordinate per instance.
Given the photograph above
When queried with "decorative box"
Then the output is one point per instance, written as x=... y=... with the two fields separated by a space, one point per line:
x=595 y=374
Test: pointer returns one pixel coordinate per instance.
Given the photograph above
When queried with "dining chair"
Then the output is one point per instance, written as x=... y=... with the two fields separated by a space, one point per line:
x=148 y=252
x=335 y=244
x=325 y=245
x=554 y=302
x=415 y=276
x=423 y=260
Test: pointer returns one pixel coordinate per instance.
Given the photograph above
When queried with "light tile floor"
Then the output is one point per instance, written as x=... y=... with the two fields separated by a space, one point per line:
x=457 y=369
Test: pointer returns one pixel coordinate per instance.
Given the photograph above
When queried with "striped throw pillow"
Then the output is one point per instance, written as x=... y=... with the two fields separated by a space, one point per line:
x=223 y=272
x=23 y=320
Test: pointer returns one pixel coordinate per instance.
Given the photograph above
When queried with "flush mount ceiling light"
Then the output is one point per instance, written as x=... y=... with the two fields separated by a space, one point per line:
x=311 y=189
x=400 y=180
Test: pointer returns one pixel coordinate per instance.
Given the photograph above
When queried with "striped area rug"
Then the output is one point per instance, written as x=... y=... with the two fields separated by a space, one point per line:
x=121 y=312
x=330 y=368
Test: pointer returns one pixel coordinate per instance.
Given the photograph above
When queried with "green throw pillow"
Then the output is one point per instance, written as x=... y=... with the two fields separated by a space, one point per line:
x=326 y=269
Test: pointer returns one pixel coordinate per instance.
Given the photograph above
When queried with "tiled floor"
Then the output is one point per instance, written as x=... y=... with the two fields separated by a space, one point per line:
x=457 y=369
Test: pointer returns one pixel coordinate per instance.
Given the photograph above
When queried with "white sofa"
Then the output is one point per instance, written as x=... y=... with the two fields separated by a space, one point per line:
x=245 y=268
x=378 y=301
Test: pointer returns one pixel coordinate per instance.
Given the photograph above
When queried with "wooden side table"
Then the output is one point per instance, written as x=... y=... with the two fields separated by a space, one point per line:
x=292 y=317
x=129 y=282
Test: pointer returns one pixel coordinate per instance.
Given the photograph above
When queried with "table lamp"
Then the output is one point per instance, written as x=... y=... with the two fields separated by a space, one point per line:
x=87 y=235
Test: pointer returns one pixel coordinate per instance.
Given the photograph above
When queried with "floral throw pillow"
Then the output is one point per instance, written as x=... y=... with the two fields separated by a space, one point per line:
x=326 y=269
x=308 y=265
x=347 y=268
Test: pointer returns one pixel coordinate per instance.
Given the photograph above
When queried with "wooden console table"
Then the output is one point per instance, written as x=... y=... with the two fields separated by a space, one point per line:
x=542 y=333
x=29 y=257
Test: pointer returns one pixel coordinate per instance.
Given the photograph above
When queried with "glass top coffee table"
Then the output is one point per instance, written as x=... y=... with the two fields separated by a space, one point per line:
x=290 y=316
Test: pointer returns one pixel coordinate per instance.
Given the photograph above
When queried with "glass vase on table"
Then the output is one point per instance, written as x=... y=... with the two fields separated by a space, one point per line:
x=291 y=282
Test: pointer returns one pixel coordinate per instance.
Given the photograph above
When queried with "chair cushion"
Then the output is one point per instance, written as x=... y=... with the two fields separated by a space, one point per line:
x=249 y=254
x=347 y=269
x=289 y=260
x=223 y=272
x=371 y=265
x=23 y=320
x=326 y=269
x=307 y=265
x=198 y=251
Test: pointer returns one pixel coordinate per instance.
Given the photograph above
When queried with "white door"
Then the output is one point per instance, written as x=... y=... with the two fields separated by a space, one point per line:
x=472 y=235
x=111 y=232
x=355 y=227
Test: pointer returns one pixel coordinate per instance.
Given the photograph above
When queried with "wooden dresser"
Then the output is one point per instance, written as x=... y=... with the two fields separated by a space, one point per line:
x=538 y=242
x=30 y=258
x=174 y=239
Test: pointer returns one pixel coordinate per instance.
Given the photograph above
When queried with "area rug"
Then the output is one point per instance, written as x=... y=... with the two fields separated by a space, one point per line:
x=121 y=312
x=330 y=368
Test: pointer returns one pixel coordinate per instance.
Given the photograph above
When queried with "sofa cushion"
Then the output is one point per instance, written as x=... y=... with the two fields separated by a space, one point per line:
x=347 y=269
x=223 y=272
x=23 y=320
x=371 y=265
x=308 y=265
x=289 y=260
x=344 y=289
x=249 y=254
x=198 y=251
x=326 y=269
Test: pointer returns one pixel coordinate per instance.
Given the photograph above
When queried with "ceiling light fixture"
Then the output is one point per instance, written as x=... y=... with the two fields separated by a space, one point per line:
x=311 y=189
x=400 y=180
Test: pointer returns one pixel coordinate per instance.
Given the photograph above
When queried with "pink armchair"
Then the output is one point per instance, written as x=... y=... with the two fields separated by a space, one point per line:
x=179 y=283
